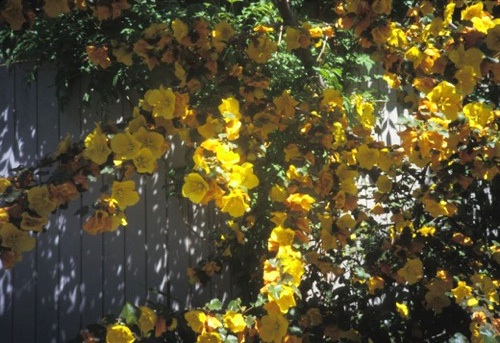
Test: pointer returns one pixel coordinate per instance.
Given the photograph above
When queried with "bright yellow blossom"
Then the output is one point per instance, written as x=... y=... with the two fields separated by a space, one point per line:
x=119 y=333
x=195 y=187
x=124 y=194
x=195 y=320
x=272 y=328
x=96 y=146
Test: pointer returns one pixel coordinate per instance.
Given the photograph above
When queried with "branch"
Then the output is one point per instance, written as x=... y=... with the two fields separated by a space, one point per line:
x=305 y=55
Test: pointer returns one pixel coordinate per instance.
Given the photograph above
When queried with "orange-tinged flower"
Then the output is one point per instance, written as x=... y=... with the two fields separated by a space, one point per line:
x=223 y=31
x=33 y=223
x=41 y=201
x=180 y=29
x=209 y=337
x=375 y=283
x=195 y=187
x=99 y=56
x=124 y=194
x=101 y=221
x=382 y=6
x=300 y=202
x=119 y=333
x=17 y=240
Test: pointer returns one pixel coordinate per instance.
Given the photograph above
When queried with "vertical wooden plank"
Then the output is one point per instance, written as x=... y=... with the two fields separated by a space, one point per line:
x=91 y=267
x=156 y=235
x=70 y=231
x=7 y=160
x=47 y=287
x=135 y=239
x=135 y=249
x=24 y=302
x=178 y=244
x=113 y=247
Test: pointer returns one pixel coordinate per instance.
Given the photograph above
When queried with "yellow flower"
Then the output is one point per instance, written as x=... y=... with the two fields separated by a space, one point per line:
x=332 y=98
x=33 y=223
x=467 y=80
x=261 y=49
x=384 y=184
x=427 y=231
x=493 y=38
x=147 y=320
x=195 y=187
x=12 y=13
x=445 y=99
x=4 y=184
x=226 y=157
x=209 y=337
x=300 y=202
x=125 y=146
x=285 y=299
x=374 y=283
x=41 y=201
x=96 y=146
x=223 y=31
x=473 y=11
x=285 y=104
x=397 y=37
x=124 y=194
x=470 y=57
x=235 y=203
x=119 y=333
x=280 y=237
x=479 y=114
x=55 y=7
x=292 y=38
x=243 y=176
x=180 y=29
x=18 y=241
x=402 y=310
x=230 y=108
x=367 y=157
x=415 y=55
x=154 y=141
x=195 y=320
x=462 y=291
x=382 y=6
x=234 y=321
x=278 y=193
x=144 y=161
x=412 y=272
x=162 y=102
x=365 y=111
x=272 y=328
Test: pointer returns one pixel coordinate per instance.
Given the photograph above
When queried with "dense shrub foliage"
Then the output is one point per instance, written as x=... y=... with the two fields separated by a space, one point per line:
x=339 y=233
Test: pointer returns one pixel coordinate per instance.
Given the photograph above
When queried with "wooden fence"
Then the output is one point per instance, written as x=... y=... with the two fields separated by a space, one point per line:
x=71 y=279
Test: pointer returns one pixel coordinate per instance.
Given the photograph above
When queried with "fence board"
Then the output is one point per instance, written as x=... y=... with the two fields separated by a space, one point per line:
x=7 y=139
x=70 y=232
x=24 y=283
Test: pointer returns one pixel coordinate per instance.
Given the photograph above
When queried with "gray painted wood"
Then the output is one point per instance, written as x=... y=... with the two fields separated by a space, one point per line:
x=73 y=278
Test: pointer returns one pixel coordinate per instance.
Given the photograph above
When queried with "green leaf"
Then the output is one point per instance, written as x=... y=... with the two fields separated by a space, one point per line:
x=130 y=314
x=215 y=305
x=234 y=305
